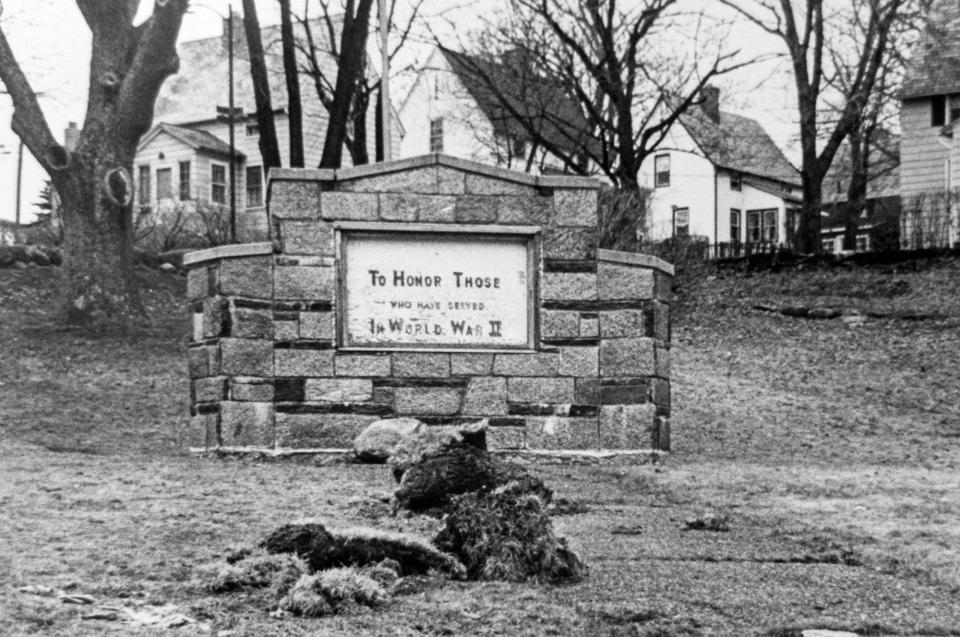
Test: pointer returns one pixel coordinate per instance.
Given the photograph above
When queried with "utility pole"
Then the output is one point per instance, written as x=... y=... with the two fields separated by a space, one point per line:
x=19 y=178
x=385 y=110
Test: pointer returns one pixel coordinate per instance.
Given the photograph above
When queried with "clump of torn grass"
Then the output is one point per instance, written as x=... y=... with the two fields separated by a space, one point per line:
x=333 y=591
x=278 y=572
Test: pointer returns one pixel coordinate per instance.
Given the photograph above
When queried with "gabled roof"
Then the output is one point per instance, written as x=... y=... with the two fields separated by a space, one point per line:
x=739 y=143
x=553 y=112
x=198 y=140
x=202 y=81
x=934 y=65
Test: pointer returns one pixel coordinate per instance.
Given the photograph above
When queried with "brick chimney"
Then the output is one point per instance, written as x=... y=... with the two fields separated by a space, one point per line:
x=71 y=136
x=710 y=103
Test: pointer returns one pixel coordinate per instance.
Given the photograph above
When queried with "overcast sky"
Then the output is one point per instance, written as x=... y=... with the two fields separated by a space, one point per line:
x=52 y=43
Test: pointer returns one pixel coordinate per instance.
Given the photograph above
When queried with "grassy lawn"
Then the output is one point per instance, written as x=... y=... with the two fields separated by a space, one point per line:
x=833 y=450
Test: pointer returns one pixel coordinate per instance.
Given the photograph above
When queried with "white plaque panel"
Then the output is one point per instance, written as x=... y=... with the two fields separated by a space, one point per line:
x=444 y=291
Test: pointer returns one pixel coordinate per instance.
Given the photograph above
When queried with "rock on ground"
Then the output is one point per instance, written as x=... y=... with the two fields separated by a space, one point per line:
x=378 y=440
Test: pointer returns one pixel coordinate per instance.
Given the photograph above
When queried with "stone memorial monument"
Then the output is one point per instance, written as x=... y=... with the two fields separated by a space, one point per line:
x=436 y=288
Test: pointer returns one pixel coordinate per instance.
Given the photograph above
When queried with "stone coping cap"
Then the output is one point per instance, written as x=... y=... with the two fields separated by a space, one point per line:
x=559 y=454
x=432 y=159
x=232 y=250
x=635 y=258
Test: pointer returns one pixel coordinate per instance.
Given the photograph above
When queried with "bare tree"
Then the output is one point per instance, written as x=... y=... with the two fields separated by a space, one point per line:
x=269 y=147
x=317 y=47
x=127 y=67
x=294 y=108
x=607 y=61
x=803 y=28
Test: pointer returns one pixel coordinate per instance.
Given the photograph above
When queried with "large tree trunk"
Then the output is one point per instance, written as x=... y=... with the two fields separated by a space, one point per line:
x=353 y=43
x=808 y=234
x=269 y=148
x=293 y=86
x=856 y=189
x=358 y=151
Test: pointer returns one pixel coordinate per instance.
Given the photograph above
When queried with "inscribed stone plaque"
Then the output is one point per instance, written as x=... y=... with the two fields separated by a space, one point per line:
x=440 y=291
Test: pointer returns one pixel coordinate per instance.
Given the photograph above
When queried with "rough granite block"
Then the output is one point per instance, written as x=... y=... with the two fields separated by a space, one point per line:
x=475 y=209
x=661 y=321
x=246 y=424
x=661 y=433
x=618 y=281
x=568 y=286
x=627 y=426
x=661 y=394
x=423 y=365
x=483 y=185
x=198 y=362
x=211 y=389
x=663 y=287
x=486 y=396
x=450 y=181
x=304 y=282
x=251 y=389
x=433 y=401
x=471 y=364
x=286 y=330
x=557 y=432
x=362 y=365
x=579 y=361
x=214 y=314
x=533 y=364
x=294 y=200
x=250 y=277
x=505 y=438
x=318 y=325
x=627 y=357
x=399 y=207
x=662 y=362
x=304 y=362
x=535 y=210
x=589 y=325
x=246 y=357
x=419 y=180
x=625 y=391
x=250 y=323
x=569 y=243
x=307 y=237
x=204 y=431
x=198 y=283
x=575 y=207
x=319 y=431
x=350 y=206
x=559 y=324
x=339 y=390
x=540 y=390
x=434 y=208
x=615 y=323
x=587 y=391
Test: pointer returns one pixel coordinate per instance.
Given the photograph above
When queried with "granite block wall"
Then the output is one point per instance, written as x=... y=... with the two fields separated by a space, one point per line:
x=267 y=370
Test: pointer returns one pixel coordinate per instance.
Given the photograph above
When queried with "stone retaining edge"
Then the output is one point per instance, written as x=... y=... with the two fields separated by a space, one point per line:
x=598 y=454
x=232 y=250
x=432 y=159
x=633 y=258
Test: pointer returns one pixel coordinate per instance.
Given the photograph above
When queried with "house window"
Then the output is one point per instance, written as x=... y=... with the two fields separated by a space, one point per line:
x=863 y=242
x=938 y=110
x=734 y=225
x=185 y=192
x=218 y=183
x=661 y=171
x=736 y=181
x=254 y=186
x=436 y=135
x=826 y=245
x=762 y=226
x=164 y=184
x=143 y=187
x=681 y=222
x=252 y=130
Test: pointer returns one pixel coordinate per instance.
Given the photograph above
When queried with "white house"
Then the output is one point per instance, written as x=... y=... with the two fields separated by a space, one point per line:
x=183 y=162
x=719 y=176
x=451 y=108
x=930 y=149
